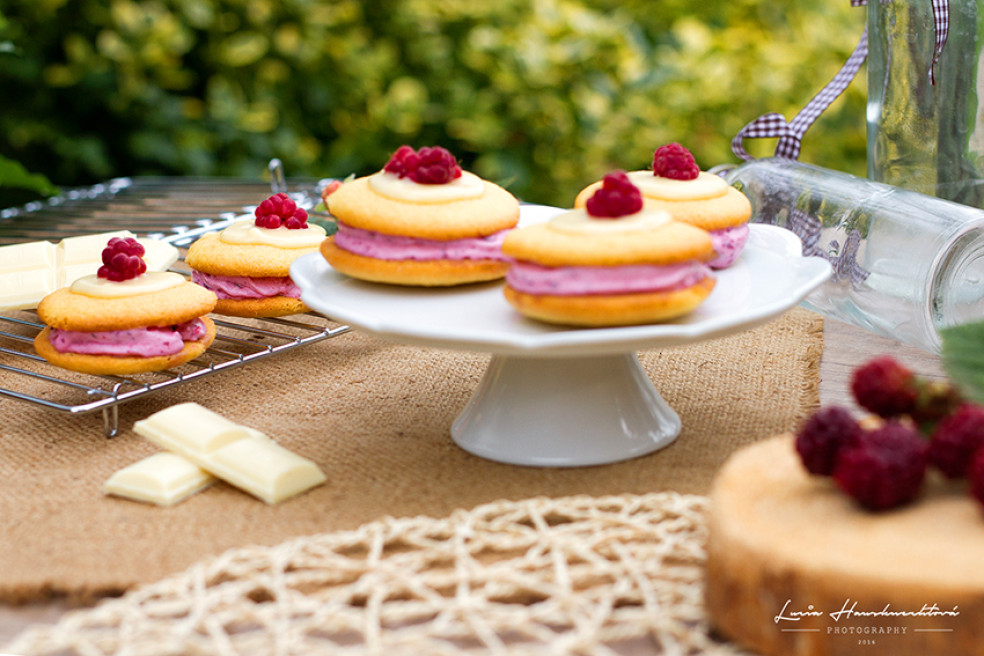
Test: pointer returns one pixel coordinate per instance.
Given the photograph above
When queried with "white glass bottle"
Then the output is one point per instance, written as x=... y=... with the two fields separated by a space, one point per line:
x=905 y=263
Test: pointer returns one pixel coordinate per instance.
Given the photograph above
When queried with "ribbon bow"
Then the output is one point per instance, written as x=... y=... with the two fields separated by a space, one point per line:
x=791 y=133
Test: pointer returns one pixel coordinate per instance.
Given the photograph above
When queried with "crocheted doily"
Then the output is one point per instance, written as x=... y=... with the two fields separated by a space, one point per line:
x=574 y=575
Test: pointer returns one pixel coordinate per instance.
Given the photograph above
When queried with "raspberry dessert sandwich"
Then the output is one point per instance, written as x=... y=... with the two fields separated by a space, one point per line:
x=124 y=319
x=421 y=221
x=678 y=186
x=612 y=263
x=247 y=265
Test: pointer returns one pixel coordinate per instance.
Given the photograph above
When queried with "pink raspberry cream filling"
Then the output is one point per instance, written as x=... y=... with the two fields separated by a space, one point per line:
x=135 y=342
x=244 y=287
x=530 y=278
x=728 y=244
x=395 y=247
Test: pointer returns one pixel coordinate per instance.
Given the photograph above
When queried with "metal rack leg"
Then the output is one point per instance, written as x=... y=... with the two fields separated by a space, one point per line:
x=111 y=420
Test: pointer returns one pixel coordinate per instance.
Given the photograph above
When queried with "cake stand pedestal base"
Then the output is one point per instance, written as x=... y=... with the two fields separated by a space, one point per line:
x=565 y=412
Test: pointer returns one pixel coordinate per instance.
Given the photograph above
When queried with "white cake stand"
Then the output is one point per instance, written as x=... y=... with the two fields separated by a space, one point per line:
x=554 y=396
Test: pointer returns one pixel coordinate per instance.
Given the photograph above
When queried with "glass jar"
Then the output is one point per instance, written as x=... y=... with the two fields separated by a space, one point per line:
x=905 y=264
x=926 y=122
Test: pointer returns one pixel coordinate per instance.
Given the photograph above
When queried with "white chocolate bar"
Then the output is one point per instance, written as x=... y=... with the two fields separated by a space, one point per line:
x=32 y=270
x=241 y=456
x=163 y=479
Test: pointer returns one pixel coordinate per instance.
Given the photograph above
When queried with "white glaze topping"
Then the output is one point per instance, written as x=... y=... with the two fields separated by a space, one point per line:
x=579 y=222
x=705 y=185
x=145 y=283
x=245 y=231
x=393 y=186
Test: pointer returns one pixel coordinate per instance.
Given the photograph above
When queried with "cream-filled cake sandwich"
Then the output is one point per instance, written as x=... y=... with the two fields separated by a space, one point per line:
x=677 y=185
x=247 y=265
x=420 y=221
x=614 y=262
x=124 y=319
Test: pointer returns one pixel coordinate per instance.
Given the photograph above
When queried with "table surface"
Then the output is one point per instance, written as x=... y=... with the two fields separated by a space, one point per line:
x=845 y=347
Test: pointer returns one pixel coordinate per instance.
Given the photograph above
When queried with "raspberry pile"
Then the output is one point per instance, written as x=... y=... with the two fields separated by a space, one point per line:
x=884 y=468
x=957 y=439
x=885 y=387
x=822 y=437
x=889 y=389
x=122 y=259
x=922 y=424
x=279 y=210
x=429 y=165
x=676 y=162
x=616 y=197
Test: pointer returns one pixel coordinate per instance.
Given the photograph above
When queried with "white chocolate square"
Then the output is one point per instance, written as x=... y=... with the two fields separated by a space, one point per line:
x=241 y=456
x=87 y=248
x=27 y=256
x=159 y=255
x=189 y=427
x=163 y=479
x=72 y=272
x=22 y=290
x=264 y=469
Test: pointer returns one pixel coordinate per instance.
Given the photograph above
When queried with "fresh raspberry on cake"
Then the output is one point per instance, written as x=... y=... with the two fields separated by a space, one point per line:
x=429 y=165
x=957 y=438
x=280 y=210
x=122 y=259
x=885 y=468
x=675 y=162
x=885 y=387
x=823 y=436
x=616 y=197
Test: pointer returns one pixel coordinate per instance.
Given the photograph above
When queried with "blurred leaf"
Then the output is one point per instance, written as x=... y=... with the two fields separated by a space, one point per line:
x=13 y=174
x=243 y=49
x=963 y=358
x=330 y=226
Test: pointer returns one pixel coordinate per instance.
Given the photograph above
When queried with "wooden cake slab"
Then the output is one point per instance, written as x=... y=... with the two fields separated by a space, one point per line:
x=796 y=567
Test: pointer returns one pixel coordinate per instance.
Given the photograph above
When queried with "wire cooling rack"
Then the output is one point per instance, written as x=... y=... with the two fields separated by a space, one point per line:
x=176 y=210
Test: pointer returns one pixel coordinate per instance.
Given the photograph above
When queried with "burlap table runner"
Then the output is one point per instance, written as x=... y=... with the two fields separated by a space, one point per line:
x=376 y=417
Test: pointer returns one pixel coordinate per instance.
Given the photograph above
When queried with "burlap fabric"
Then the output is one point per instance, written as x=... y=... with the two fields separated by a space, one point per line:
x=376 y=417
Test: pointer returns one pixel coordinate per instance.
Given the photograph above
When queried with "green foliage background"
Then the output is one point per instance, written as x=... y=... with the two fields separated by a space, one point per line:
x=543 y=96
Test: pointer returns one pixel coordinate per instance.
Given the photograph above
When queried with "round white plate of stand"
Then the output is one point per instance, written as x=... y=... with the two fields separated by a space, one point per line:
x=554 y=396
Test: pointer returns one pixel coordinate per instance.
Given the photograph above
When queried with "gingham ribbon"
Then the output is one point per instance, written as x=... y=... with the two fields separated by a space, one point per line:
x=791 y=133
x=941 y=22
x=782 y=207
